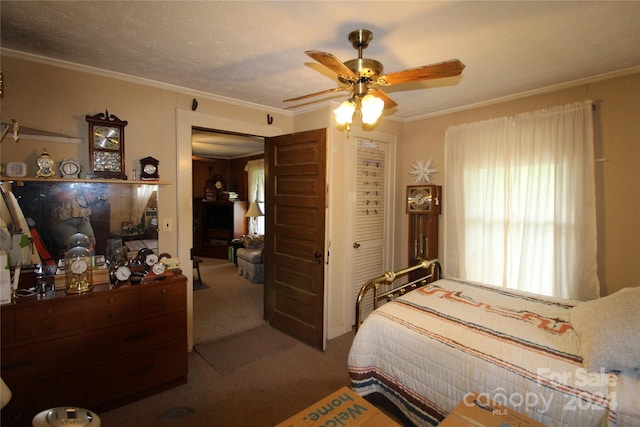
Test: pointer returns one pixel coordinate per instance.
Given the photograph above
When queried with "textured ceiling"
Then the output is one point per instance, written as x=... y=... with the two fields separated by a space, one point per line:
x=254 y=51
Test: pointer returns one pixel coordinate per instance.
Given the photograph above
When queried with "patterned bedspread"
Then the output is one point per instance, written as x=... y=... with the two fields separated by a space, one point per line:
x=429 y=348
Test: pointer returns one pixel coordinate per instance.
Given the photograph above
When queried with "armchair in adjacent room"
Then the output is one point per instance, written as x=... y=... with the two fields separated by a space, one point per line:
x=250 y=265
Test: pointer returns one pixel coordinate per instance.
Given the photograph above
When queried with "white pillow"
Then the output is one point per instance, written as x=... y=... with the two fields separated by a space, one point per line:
x=609 y=331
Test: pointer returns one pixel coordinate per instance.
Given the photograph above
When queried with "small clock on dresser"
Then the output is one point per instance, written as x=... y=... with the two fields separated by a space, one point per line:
x=106 y=146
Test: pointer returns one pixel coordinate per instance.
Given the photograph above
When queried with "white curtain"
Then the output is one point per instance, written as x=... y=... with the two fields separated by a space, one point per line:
x=520 y=202
x=255 y=169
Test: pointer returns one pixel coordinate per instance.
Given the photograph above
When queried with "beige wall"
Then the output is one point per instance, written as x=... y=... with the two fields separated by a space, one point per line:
x=57 y=99
x=617 y=139
x=54 y=99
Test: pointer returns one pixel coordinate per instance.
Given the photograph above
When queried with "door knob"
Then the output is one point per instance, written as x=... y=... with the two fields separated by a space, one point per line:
x=356 y=245
x=318 y=256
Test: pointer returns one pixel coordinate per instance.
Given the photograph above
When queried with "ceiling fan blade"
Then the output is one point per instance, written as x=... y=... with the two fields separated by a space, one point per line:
x=427 y=72
x=332 y=63
x=335 y=89
x=388 y=102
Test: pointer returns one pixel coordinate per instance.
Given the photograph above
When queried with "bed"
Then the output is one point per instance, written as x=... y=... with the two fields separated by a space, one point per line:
x=555 y=360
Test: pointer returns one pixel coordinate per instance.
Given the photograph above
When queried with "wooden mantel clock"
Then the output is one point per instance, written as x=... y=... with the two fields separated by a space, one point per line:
x=149 y=169
x=106 y=146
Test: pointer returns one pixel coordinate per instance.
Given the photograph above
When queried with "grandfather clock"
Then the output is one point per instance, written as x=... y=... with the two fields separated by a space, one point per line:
x=424 y=204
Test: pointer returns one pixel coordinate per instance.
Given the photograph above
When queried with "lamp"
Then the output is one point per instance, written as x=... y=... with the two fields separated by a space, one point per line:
x=370 y=109
x=253 y=212
x=344 y=113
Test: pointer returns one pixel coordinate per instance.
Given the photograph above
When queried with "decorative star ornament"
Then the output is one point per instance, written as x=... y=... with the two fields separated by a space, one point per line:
x=422 y=171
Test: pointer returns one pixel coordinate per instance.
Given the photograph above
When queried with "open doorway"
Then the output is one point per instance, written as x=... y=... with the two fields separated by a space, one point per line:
x=225 y=168
x=186 y=120
x=227 y=190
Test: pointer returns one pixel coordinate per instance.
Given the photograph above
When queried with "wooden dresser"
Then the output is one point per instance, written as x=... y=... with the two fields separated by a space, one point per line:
x=97 y=350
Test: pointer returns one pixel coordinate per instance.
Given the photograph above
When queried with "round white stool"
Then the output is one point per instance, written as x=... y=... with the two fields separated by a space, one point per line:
x=66 y=416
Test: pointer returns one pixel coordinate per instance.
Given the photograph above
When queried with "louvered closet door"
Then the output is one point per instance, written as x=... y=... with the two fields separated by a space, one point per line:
x=371 y=222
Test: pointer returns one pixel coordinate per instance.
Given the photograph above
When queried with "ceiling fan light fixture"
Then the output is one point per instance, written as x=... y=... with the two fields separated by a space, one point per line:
x=371 y=108
x=362 y=75
x=344 y=113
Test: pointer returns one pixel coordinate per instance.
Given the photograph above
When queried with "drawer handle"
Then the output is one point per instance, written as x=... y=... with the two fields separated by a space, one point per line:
x=163 y=305
x=140 y=371
x=49 y=311
x=112 y=315
x=139 y=336
x=111 y=301
x=163 y=292
x=50 y=327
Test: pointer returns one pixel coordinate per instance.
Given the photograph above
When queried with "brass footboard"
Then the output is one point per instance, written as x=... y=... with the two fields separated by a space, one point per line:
x=433 y=272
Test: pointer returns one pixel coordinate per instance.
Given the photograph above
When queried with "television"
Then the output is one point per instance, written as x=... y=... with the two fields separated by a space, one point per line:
x=216 y=218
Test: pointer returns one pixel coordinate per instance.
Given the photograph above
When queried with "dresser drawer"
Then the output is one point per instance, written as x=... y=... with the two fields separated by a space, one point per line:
x=158 y=298
x=94 y=350
x=132 y=338
x=43 y=310
x=26 y=363
x=142 y=373
x=104 y=309
x=45 y=319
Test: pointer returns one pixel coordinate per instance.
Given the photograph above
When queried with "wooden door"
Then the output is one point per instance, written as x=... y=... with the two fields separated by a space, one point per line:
x=371 y=216
x=294 y=254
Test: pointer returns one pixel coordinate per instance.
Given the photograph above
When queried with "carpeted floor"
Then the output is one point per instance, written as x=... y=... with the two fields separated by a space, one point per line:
x=227 y=354
x=257 y=391
x=225 y=303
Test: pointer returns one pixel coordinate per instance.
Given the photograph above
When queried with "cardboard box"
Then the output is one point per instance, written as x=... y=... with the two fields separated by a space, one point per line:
x=344 y=408
x=479 y=411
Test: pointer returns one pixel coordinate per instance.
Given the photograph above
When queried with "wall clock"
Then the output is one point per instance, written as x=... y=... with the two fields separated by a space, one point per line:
x=149 y=169
x=423 y=199
x=106 y=146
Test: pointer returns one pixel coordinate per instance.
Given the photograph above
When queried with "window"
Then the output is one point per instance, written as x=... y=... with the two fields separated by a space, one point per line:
x=520 y=202
x=255 y=169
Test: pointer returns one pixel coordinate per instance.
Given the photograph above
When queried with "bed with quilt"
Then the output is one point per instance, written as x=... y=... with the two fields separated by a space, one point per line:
x=560 y=362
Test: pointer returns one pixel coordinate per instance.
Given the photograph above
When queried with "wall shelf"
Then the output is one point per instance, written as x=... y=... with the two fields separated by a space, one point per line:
x=29 y=134
x=83 y=180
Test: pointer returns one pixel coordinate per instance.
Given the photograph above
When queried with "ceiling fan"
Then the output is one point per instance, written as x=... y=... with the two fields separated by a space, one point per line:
x=362 y=75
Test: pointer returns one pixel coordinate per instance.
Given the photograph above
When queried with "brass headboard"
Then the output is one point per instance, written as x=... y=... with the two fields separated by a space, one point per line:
x=433 y=272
